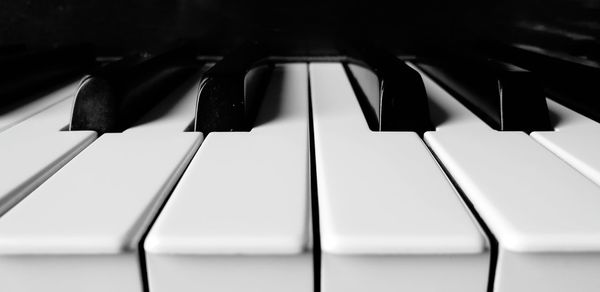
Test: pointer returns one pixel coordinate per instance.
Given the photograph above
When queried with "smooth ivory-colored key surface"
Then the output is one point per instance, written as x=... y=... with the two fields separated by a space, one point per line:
x=13 y=116
x=575 y=139
x=35 y=149
x=389 y=218
x=81 y=229
x=543 y=213
x=239 y=218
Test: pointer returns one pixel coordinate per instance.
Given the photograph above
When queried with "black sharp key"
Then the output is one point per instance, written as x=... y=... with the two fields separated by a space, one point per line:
x=117 y=95
x=402 y=103
x=506 y=97
x=571 y=82
x=230 y=92
x=557 y=38
x=27 y=73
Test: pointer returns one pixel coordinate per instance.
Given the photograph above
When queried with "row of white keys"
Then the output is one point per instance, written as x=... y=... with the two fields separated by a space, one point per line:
x=9 y=118
x=35 y=149
x=576 y=140
x=544 y=214
x=80 y=230
x=239 y=219
x=390 y=220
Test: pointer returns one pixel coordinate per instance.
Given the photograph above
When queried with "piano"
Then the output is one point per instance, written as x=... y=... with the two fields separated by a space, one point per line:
x=332 y=146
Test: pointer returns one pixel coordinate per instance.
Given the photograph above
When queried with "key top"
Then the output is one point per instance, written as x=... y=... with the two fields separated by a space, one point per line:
x=379 y=227
x=541 y=211
x=394 y=92
x=35 y=149
x=114 y=97
x=238 y=219
x=10 y=116
x=508 y=98
x=80 y=230
x=575 y=139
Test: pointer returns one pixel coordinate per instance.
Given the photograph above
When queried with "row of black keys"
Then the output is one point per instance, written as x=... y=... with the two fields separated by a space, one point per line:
x=115 y=95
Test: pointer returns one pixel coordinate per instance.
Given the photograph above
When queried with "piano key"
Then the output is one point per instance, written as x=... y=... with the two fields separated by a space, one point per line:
x=367 y=86
x=570 y=81
x=10 y=116
x=35 y=149
x=24 y=74
x=518 y=188
x=575 y=139
x=396 y=94
x=508 y=98
x=224 y=102
x=380 y=228
x=115 y=96
x=173 y=113
x=80 y=230
x=239 y=217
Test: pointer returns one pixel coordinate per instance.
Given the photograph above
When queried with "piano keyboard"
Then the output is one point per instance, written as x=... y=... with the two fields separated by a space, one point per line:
x=169 y=174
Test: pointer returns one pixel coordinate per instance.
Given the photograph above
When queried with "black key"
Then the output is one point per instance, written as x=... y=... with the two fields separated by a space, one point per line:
x=117 y=95
x=230 y=92
x=506 y=97
x=402 y=104
x=23 y=74
x=571 y=82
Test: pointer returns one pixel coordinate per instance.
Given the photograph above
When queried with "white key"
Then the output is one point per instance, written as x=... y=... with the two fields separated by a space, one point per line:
x=21 y=113
x=80 y=230
x=390 y=220
x=369 y=84
x=544 y=214
x=576 y=140
x=238 y=219
x=35 y=149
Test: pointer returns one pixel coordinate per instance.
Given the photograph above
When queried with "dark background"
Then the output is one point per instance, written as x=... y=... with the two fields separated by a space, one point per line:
x=117 y=27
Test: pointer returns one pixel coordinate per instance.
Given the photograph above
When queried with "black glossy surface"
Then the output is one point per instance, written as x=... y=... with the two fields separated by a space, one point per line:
x=403 y=104
x=117 y=95
x=224 y=103
x=25 y=73
x=571 y=83
x=119 y=27
x=505 y=97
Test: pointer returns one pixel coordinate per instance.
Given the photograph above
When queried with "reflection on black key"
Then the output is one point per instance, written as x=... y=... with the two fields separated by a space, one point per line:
x=506 y=97
x=117 y=95
x=230 y=92
x=401 y=104
x=25 y=73
x=570 y=81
